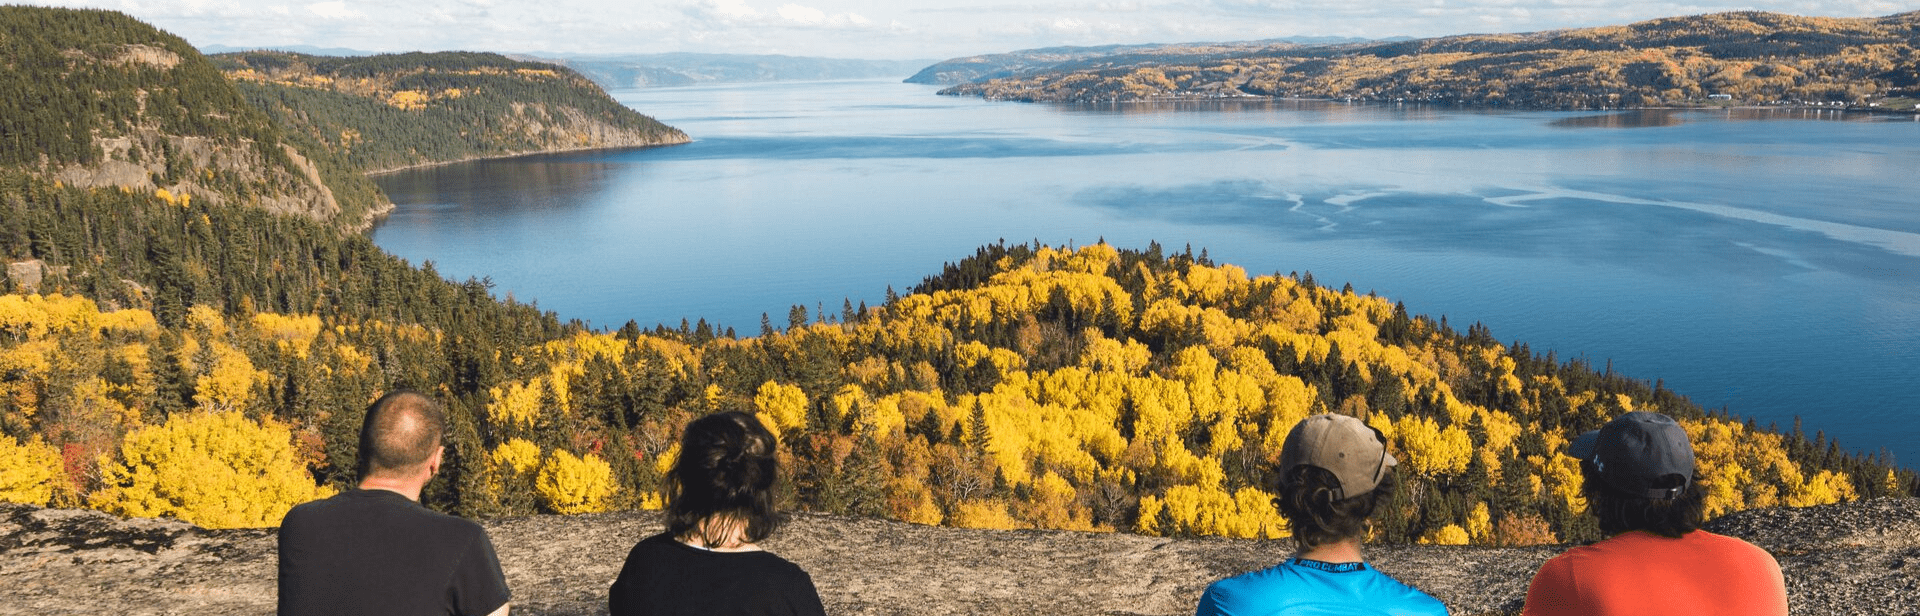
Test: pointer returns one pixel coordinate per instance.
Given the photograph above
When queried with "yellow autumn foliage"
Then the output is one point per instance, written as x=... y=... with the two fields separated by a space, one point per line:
x=30 y=472
x=570 y=485
x=217 y=470
x=990 y=514
x=1446 y=535
x=231 y=383
x=781 y=407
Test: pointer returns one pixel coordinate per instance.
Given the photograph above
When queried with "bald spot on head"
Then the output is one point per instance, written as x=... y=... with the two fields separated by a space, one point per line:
x=401 y=432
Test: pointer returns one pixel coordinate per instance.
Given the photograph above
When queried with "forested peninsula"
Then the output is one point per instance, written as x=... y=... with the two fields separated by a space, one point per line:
x=392 y=111
x=173 y=346
x=1744 y=58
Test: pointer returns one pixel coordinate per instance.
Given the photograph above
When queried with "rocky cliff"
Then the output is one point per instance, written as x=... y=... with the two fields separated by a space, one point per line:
x=1854 y=558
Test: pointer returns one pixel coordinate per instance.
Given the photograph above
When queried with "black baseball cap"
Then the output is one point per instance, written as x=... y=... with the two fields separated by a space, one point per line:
x=1635 y=451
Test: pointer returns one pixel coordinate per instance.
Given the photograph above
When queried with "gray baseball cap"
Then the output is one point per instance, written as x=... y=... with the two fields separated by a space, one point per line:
x=1636 y=450
x=1353 y=451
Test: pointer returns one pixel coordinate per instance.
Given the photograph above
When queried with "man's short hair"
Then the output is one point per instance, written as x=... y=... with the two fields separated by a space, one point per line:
x=401 y=431
x=1334 y=471
x=1620 y=511
x=1310 y=501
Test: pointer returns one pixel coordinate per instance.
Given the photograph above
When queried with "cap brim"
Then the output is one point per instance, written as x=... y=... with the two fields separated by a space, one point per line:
x=1582 y=447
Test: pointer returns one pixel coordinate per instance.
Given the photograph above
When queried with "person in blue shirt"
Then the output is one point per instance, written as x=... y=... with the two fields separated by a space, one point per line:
x=1334 y=470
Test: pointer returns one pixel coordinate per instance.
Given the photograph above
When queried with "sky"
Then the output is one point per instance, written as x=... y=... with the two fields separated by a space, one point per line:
x=881 y=29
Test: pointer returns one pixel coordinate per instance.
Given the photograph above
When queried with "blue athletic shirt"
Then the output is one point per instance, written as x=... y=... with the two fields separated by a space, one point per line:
x=1300 y=587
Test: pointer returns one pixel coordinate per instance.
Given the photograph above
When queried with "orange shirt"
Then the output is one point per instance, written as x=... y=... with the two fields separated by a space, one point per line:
x=1644 y=574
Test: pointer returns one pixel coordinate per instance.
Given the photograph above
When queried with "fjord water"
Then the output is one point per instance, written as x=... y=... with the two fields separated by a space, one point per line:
x=1764 y=260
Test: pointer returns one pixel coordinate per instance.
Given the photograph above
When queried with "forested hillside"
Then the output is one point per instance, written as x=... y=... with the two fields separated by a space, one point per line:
x=95 y=98
x=1748 y=58
x=390 y=111
x=1027 y=386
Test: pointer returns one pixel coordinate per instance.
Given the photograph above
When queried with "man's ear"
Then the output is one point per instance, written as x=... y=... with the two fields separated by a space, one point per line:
x=433 y=462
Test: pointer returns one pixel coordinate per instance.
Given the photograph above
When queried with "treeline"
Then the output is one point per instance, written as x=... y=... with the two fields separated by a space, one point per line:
x=1749 y=58
x=391 y=111
x=1027 y=386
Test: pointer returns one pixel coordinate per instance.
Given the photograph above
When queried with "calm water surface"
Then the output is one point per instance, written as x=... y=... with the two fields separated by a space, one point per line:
x=1765 y=261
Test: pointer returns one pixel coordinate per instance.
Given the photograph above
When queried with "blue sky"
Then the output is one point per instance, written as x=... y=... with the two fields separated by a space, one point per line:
x=882 y=29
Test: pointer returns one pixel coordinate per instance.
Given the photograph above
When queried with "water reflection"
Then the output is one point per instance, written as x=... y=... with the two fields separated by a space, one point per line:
x=1656 y=118
x=490 y=187
x=1638 y=118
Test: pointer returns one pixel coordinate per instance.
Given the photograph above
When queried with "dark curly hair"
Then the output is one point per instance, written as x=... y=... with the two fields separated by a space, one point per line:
x=1620 y=512
x=722 y=484
x=1307 y=501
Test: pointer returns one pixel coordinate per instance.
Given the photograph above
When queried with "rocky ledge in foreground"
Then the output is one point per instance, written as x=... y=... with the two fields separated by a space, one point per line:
x=1856 y=558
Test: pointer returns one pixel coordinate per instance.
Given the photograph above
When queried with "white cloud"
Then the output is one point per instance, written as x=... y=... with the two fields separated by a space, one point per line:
x=334 y=10
x=802 y=14
x=1068 y=25
x=733 y=9
x=884 y=28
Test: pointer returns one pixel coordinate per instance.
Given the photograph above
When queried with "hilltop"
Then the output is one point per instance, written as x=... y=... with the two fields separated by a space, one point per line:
x=97 y=99
x=1744 y=58
x=1855 y=558
x=1056 y=59
x=398 y=110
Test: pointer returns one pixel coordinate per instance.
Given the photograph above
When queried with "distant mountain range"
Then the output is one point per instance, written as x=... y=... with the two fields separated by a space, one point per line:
x=670 y=69
x=1742 y=58
x=685 y=69
x=1056 y=59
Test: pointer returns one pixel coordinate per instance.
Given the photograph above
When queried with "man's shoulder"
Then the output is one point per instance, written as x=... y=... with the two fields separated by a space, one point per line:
x=1724 y=542
x=1290 y=583
x=382 y=507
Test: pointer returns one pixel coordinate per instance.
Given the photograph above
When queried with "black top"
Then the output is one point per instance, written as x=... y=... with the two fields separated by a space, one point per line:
x=664 y=577
x=368 y=552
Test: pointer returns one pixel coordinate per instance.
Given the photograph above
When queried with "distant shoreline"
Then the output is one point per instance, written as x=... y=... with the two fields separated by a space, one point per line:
x=442 y=163
x=1184 y=98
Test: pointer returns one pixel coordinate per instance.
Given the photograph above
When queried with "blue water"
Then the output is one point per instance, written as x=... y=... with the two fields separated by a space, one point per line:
x=1767 y=261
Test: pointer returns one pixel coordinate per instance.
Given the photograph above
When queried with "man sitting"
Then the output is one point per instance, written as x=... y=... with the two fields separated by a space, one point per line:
x=1334 y=471
x=1638 y=479
x=376 y=550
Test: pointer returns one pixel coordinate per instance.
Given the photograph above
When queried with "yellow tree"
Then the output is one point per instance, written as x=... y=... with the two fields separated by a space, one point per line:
x=569 y=485
x=30 y=472
x=217 y=470
x=782 y=407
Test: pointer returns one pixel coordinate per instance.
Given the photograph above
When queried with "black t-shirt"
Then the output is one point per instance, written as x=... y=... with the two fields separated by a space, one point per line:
x=664 y=577
x=367 y=552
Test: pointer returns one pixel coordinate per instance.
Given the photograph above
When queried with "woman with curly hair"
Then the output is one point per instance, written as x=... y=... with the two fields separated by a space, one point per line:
x=719 y=508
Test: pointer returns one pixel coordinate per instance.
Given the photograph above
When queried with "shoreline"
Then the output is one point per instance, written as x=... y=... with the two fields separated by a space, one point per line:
x=1192 y=98
x=684 y=139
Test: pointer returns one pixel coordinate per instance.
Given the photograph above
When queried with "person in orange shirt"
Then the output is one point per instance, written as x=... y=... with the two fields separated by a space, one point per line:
x=1639 y=481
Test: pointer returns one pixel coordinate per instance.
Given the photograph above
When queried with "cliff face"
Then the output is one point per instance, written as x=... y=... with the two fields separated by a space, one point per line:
x=98 y=99
x=1854 y=558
